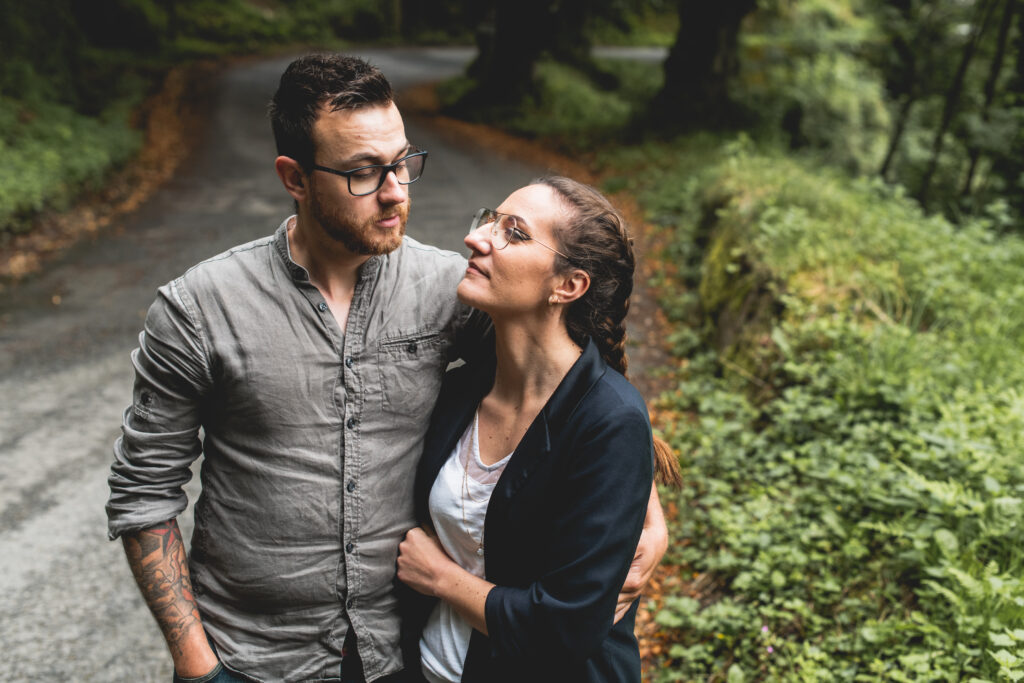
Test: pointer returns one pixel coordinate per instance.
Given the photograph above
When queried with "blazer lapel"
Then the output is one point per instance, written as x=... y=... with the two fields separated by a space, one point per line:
x=544 y=432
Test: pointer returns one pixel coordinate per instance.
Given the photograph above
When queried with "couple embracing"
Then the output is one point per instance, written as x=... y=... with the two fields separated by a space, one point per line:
x=306 y=366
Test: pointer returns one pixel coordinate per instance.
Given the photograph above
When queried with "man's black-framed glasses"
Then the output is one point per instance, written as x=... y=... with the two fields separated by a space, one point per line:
x=368 y=179
x=505 y=228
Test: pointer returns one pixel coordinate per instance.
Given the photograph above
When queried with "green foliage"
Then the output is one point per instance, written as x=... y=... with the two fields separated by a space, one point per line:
x=566 y=108
x=856 y=487
x=804 y=75
x=49 y=153
x=636 y=23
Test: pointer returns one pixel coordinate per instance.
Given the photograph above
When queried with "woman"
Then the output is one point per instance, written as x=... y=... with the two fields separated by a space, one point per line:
x=537 y=469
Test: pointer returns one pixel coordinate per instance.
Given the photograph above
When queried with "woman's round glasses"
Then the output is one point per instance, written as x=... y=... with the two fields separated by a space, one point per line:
x=368 y=179
x=505 y=228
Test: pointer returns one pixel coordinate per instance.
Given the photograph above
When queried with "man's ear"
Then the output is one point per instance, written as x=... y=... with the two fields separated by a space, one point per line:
x=292 y=177
x=572 y=286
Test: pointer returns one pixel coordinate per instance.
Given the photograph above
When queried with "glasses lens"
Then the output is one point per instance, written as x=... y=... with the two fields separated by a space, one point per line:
x=368 y=180
x=481 y=217
x=504 y=227
x=365 y=180
x=410 y=168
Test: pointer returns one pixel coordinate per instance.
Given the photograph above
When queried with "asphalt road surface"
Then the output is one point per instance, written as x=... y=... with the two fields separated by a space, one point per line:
x=69 y=609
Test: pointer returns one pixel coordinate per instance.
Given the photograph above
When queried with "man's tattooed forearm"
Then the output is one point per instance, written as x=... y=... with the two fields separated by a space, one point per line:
x=159 y=564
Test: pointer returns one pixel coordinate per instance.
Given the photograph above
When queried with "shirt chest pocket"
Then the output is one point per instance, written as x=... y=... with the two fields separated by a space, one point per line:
x=411 y=367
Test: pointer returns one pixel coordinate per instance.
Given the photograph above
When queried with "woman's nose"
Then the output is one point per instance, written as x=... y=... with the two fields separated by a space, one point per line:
x=479 y=240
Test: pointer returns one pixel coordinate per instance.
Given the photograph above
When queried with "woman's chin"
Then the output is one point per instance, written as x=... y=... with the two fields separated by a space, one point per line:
x=467 y=295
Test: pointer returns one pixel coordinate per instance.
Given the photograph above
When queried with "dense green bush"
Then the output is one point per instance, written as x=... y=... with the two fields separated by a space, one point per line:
x=567 y=108
x=49 y=153
x=853 y=447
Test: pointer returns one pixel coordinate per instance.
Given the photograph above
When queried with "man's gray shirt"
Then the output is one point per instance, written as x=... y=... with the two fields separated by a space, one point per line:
x=310 y=440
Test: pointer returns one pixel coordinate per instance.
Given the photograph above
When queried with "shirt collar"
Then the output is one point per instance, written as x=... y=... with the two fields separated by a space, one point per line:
x=297 y=272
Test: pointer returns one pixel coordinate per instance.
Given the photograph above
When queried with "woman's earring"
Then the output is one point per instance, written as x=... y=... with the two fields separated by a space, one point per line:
x=552 y=299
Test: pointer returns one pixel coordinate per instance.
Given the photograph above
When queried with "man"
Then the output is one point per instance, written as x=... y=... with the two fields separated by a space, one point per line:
x=311 y=359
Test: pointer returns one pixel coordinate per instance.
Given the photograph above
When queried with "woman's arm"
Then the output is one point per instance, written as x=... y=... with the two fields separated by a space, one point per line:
x=425 y=567
x=650 y=550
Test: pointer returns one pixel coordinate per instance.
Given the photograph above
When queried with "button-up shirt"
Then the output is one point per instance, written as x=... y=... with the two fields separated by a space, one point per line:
x=310 y=439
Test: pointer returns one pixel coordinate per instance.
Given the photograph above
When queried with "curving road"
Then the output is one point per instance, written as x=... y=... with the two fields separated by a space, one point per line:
x=69 y=609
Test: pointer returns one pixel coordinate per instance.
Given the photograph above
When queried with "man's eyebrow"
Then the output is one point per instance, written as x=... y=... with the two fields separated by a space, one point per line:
x=369 y=159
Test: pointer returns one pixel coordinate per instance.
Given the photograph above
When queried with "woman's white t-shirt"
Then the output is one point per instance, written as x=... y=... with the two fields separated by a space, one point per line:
x=458 y=506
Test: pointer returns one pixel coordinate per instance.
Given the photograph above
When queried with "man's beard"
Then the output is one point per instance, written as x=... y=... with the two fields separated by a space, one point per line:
x=367 y=239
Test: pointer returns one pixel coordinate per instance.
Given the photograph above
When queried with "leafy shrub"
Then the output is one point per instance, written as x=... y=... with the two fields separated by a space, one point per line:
x=49 y=153
x=567 y=108
x=856 y=498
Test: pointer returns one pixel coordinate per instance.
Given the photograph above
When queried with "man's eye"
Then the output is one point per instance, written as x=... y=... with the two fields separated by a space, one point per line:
x=363 y=173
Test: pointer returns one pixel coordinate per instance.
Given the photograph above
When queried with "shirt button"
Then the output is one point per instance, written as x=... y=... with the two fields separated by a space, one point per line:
x=349 y=362
x=351 y=424
x=411 y=348
x=350 y=486
x=322 y=306
x=350 y=603
x=349 y=547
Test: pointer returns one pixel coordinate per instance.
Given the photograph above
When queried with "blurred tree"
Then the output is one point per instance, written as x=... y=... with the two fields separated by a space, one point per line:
x=701 y=63
x=974 y=150
x=513 y=35
x=979 y=24
x=914 y=29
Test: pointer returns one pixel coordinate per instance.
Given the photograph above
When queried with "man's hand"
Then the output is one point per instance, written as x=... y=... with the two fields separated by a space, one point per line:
x=160 y=567
x=649 y=551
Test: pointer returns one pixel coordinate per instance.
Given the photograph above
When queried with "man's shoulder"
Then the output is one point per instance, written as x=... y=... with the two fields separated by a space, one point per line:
x=422 y=260
x=226 y=265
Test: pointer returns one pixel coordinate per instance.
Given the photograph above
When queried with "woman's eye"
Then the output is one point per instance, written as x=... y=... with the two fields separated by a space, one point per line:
x=518 y=235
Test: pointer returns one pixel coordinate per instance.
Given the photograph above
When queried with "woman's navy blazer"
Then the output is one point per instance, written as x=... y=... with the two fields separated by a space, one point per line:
x=561 y=529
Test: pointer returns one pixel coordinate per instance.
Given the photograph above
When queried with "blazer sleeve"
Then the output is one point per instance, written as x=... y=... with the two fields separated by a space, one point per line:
x=568 y=611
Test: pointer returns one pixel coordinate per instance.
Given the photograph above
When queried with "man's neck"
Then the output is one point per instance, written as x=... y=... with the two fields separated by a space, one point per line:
x=332 y=268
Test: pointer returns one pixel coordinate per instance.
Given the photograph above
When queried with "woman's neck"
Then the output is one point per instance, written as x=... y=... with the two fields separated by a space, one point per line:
x=532 y=359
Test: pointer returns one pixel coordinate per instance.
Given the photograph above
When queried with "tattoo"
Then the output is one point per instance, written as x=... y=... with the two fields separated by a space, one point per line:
x=160 y=566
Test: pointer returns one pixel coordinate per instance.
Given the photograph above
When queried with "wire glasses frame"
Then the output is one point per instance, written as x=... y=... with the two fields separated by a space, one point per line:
x=368 y=179
x=505 y=227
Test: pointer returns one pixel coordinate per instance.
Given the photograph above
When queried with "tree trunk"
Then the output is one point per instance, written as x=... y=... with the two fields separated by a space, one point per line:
x=1009 y=11
x=504 y=66
x=953 y=99
x=897 y=133
x=700 y=64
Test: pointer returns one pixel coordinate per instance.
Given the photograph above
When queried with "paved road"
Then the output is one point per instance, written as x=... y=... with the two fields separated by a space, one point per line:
x=69 y=609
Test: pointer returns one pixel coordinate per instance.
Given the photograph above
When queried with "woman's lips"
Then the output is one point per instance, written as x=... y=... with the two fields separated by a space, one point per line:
x=473 y=268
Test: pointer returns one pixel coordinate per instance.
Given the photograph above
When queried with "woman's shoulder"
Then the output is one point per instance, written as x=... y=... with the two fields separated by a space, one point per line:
x=615 y=394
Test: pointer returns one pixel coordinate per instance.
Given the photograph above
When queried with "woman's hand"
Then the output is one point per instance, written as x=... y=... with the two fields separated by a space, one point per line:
x=422 y=561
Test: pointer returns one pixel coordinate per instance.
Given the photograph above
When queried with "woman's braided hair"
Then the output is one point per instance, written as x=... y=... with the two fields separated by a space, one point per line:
x=596 y=238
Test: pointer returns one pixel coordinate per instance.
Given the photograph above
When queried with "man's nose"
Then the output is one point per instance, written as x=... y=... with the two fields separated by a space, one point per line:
x=392 y=191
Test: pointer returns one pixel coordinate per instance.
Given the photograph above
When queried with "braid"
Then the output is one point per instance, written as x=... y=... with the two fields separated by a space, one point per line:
x=596 y=236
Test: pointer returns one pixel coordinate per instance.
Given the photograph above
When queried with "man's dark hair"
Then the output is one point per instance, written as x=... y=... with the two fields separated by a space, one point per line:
x=321 y=80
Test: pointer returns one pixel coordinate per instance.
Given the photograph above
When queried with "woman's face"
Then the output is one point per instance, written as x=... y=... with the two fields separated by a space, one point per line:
x=520 y=277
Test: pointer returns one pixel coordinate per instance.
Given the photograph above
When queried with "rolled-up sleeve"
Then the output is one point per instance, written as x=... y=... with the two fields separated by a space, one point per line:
x=160 y=429
x=567 y=612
